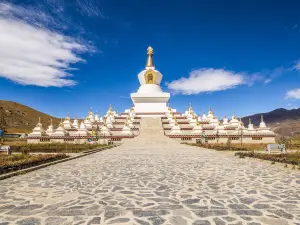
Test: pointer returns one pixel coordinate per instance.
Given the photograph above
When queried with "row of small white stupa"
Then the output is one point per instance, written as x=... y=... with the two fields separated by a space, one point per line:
x=87 y=126
x=213 y=126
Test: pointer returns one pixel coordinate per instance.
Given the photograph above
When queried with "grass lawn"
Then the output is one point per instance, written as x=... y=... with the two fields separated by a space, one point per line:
x=9 y=163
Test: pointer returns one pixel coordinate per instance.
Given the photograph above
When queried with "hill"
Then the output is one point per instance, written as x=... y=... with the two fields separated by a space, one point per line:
x=22 y=119
x=282 y=121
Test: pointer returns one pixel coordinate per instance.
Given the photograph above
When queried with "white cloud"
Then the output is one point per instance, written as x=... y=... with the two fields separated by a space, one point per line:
x=297 y=65
x=31 y=54
x=293 y=94
x=207 y=80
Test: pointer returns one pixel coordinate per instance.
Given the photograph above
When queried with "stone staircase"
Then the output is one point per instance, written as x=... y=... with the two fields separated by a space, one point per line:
x=151 y=134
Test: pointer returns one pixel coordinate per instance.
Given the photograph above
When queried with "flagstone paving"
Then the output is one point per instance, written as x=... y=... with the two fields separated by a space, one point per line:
x=154 y=180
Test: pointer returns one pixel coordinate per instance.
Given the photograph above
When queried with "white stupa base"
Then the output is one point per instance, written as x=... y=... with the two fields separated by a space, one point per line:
x=150 y=103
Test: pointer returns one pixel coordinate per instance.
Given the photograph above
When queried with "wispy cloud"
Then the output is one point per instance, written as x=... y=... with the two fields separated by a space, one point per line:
x=206 y=80
x=293 y=94
x=89 y=8
x=297 y=65
x=32 y=54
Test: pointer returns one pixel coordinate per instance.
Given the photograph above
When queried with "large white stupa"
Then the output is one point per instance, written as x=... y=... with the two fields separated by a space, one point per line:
x=150 y=98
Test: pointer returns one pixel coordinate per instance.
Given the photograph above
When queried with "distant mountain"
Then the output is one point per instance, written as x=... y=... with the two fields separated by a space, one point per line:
x=282 y=121
x=22 y=119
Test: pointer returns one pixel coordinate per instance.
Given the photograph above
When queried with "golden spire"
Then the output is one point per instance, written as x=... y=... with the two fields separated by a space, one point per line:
x=149 y=58
x=39 y=119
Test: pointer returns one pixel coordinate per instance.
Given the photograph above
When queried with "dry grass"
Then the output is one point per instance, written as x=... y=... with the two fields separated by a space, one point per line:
x=9 y=163
x=289 y=158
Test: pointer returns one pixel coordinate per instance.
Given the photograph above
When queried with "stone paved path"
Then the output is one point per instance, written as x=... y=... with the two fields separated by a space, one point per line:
x=146 y=182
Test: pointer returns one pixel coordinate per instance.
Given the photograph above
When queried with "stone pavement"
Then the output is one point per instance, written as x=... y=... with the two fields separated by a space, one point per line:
x=153 y=180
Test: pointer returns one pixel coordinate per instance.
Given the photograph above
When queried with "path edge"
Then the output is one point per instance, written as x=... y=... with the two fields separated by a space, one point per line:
x=30 y=169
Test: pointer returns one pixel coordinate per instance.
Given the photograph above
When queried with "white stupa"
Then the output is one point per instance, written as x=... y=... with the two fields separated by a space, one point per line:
x=204 y=117
x=126 y=129
x=263 y=129
x=104 y=130
x=210 y=115
x=175 y=129
x=38 y=131
x=67 y=122
x=251 y=129
x=225 y=121
x=50 y=129
x=82 y=131
x=197 y=130
x=60 y=131
x=75 y=123
x=234 y=122
x=88 y=123
x=150 y=97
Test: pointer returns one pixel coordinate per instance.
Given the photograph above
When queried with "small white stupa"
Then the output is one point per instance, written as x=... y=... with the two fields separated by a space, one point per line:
x=75 y=123
x=193 y=122
x=234 y=122
x=82 y=131
x=38 y=131
x=251 y=129
x=204 y=117
x=60 y=131
x=91 y=116
x=88 y=123
x=96 y=117
x=225 y=121
x=109 y=123
x=220 y=129
x=50 y=129
x=175 y=129
x=198 y=129
x=104 y=129
x=214 y=121
x=210 y=115
x=67 y=122
x=263 y=129
x=126 y=129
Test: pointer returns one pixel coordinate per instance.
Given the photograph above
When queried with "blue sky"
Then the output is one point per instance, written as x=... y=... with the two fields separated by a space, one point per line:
x=61 y=56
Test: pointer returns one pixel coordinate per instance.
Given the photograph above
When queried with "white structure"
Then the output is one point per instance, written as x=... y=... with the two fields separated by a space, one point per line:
x=151 y=101
x=38 y=131
x=150 y=98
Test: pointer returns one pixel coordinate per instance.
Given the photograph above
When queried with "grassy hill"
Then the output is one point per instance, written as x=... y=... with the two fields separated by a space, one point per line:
x=22 y=119
x=283 y=122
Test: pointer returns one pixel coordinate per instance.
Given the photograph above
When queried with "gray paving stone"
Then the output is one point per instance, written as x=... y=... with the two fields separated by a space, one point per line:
x=153 y=179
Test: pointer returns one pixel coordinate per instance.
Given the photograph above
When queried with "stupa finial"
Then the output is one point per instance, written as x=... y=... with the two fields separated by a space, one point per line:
x=39 y=119
x=51 y=122
x=249 y=120
x=149 y=58
x=262 y=118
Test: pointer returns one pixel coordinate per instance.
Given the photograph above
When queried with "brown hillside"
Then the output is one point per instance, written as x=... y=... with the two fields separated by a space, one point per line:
x=283 y=122
x=22 y=119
